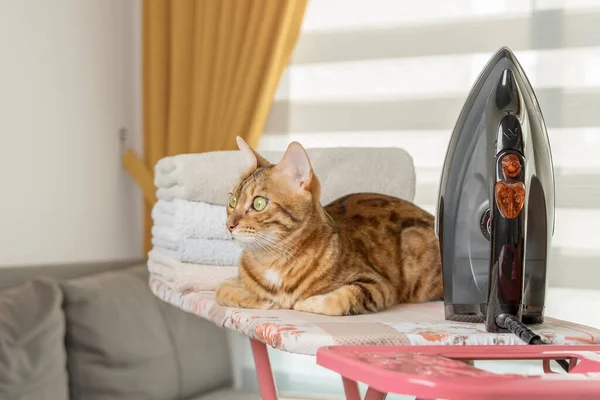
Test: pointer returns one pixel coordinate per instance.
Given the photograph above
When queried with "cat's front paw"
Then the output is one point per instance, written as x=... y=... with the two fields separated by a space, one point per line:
x=258 y=304
x=226 y=297
x=231 y=295
x=318 y=304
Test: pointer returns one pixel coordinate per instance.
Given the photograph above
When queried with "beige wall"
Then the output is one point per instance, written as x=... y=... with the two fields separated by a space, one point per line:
x=68 y=83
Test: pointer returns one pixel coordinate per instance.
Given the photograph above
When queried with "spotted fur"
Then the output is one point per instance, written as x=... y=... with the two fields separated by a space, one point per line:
x=360 y=254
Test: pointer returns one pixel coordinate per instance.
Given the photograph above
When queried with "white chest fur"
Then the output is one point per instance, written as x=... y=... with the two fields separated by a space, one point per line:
x=273 y=277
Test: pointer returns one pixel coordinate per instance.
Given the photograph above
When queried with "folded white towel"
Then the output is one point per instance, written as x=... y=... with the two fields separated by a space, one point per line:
x=186 y=276
x=199 y=251
x=181 y=219
x=207 y=177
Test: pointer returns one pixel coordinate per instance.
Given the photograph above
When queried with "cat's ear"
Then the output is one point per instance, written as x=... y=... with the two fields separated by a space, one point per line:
x=253 y=159
x=295 y=164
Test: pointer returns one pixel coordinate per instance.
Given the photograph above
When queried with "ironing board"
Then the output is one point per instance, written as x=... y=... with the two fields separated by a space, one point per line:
x=401 y=325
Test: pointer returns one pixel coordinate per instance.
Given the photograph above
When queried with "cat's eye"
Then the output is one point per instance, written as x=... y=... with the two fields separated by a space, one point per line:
x=259 y=203
x=232 y=201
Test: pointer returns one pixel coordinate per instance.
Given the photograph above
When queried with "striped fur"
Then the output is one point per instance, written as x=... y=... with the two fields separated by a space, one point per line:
x=360 y=254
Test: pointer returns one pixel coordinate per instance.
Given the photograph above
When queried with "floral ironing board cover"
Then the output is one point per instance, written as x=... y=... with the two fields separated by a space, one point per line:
x=409 y=324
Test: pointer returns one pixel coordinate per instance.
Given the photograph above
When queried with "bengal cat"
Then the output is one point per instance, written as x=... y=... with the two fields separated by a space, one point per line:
x=360 y=254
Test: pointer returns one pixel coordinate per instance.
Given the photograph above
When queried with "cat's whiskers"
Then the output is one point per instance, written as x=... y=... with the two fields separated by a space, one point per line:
x=285 y=251
x=263 y=246
x=267 y=247
x=279 y=242
x=277 y=246
x=291 y=248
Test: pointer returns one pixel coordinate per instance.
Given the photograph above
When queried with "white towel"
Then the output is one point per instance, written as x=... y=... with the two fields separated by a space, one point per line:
x=207 y=177
x=181 y=219
x=186 y=276
x=200 y=251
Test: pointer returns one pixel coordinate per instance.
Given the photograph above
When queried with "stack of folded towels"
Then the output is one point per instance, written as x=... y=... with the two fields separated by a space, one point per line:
x=192 y=249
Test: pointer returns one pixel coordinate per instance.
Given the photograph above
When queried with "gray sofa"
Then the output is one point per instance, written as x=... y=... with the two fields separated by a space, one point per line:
x=97 y=332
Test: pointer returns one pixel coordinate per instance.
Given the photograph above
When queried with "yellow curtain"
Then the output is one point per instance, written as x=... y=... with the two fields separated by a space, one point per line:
x=210 y=71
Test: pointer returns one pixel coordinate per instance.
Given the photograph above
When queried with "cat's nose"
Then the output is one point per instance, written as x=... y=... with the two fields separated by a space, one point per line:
x=231 y=225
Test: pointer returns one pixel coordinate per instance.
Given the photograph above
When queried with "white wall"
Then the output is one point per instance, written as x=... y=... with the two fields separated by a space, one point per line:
x=68 y=83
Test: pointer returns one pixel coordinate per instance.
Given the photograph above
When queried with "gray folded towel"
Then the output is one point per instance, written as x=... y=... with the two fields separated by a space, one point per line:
x=207 y=177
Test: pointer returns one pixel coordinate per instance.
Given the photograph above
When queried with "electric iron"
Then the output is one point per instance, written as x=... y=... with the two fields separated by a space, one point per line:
x=495 y=213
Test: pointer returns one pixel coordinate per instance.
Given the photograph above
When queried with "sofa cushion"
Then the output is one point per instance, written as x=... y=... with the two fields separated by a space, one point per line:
x=32 y=354
x=124 y=343
x=227 y=394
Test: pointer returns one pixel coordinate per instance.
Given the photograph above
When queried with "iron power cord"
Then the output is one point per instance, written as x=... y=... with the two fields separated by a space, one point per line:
x=518 y=328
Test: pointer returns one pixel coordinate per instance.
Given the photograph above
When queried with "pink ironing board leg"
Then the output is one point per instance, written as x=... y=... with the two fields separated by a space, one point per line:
x=351 y=389
x=373 y=394
x=263 y=370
